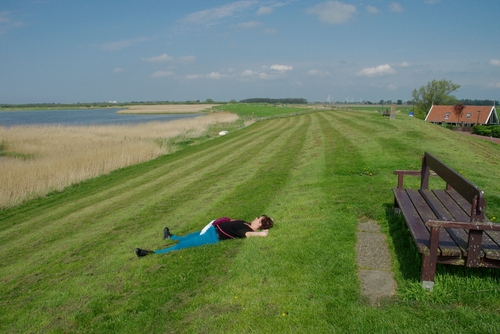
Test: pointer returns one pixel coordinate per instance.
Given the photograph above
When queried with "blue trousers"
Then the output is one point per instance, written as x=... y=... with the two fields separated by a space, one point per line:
x=192 y=240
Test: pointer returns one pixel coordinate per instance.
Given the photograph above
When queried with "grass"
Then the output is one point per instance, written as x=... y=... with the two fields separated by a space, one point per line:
x=262 y=110
x=68 y=263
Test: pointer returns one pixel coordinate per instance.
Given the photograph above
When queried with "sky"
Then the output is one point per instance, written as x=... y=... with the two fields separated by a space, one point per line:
x=69 y=51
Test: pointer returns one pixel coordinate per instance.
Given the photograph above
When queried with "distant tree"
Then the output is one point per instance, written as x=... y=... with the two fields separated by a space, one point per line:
x=437 y=92
x=458 y=110
x=209 y=101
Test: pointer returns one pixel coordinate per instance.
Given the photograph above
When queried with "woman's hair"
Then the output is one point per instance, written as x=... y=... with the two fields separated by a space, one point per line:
x=266 y=222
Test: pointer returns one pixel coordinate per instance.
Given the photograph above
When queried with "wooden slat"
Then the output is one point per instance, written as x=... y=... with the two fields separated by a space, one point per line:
x=446 y=244
x=491 y=245
x=417 y=229
x=466 y=206
x=444 y=211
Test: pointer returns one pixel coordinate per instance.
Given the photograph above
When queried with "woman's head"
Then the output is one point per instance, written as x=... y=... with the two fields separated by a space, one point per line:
x=266 y=222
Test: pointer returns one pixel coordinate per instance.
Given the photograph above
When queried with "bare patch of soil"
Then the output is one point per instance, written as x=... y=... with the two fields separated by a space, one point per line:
x=374 y=262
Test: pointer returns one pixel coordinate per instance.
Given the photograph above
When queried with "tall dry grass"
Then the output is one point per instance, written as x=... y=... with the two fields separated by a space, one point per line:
x=41 y=159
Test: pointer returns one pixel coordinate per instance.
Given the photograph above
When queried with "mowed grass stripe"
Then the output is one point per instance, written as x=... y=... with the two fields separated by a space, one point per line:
x=301 y=252
x=281 y=164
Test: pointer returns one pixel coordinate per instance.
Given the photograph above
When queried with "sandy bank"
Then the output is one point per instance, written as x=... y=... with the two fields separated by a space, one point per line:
x=167 y=109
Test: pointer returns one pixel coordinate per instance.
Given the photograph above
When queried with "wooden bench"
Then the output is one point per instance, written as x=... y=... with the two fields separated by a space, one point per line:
x=448 y=226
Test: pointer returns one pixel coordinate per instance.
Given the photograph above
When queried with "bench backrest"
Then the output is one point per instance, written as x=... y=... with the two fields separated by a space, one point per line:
x=465 y=188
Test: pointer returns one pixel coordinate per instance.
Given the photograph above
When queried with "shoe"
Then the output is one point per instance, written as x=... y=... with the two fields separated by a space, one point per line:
x=166 y=233
x=142 y=252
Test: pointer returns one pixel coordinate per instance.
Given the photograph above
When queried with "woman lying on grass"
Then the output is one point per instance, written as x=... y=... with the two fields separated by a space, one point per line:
x=220 y=229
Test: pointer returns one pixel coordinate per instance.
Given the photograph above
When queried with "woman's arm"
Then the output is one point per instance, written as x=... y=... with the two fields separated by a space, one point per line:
x=262 y=233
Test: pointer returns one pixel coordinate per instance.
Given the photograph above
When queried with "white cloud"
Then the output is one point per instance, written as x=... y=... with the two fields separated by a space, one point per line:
x=162 y=74
x=163 y=58
x=395 y=7
x=186 y=60
x=263 y=75
x=381 y=70
x=7 y=23
x=265 y=11
x=495 y=62
x=118 y=70
x=5 y=17
x=392 y=87
x=193 y=76
x=318 y=73
x=213 y=15
x=249 y=73
x=270 y=31
x=216 y=75
x=281 y=68
x=118 y=45
x=372 y=10
x=494 y=85
x=251 y=24
x=211 y=75
x=333 y=12
x=404 y=64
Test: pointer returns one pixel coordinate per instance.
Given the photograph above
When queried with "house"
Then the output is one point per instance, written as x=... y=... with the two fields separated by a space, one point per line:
x=471 y=115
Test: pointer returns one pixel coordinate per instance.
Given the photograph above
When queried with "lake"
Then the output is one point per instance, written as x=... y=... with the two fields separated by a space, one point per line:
x=106 y=116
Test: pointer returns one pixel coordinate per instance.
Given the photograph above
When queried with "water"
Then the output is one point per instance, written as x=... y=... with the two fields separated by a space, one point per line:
x=82 y=117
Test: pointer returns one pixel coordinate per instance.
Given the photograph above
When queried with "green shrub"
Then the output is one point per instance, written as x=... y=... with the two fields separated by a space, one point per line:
x=487 y=130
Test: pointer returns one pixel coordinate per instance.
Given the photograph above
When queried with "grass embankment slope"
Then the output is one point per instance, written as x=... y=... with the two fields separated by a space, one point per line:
x=68 y=261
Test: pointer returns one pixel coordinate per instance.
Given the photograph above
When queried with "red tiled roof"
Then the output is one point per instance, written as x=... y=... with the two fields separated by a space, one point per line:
x=441 y=114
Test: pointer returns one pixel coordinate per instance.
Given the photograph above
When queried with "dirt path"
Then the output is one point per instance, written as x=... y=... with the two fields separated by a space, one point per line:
x=374 y=262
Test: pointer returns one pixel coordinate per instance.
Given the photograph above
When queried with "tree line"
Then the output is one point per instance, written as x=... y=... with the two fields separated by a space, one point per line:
x=275 y=101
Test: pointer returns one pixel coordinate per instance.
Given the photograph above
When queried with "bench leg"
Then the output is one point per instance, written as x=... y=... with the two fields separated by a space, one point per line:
x=397 y=209
x=428 y=270
x=429 y=261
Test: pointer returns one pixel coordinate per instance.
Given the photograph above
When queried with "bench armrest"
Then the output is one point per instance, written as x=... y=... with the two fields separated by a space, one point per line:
x=465 y=225
x=401 y=173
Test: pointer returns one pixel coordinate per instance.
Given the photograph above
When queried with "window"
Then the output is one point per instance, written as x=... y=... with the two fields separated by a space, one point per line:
x=469 y=114
x=447 y=115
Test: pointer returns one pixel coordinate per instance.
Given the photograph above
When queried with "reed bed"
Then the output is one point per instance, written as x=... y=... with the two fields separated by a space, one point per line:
x=39 y=159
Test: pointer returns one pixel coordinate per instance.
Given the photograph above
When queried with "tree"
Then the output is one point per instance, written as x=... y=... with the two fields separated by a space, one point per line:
x=458 y=109
x=436 y=92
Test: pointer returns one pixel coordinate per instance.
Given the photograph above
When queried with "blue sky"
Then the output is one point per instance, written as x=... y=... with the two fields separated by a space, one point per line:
x=67 y=51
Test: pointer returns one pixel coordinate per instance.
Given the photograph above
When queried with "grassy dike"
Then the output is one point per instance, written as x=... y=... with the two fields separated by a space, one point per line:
x=68 y=262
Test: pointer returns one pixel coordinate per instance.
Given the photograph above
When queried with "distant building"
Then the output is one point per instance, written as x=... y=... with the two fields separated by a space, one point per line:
x=471 y=115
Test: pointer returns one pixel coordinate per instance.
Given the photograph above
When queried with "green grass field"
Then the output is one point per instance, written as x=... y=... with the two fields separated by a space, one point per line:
x=68 y=262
